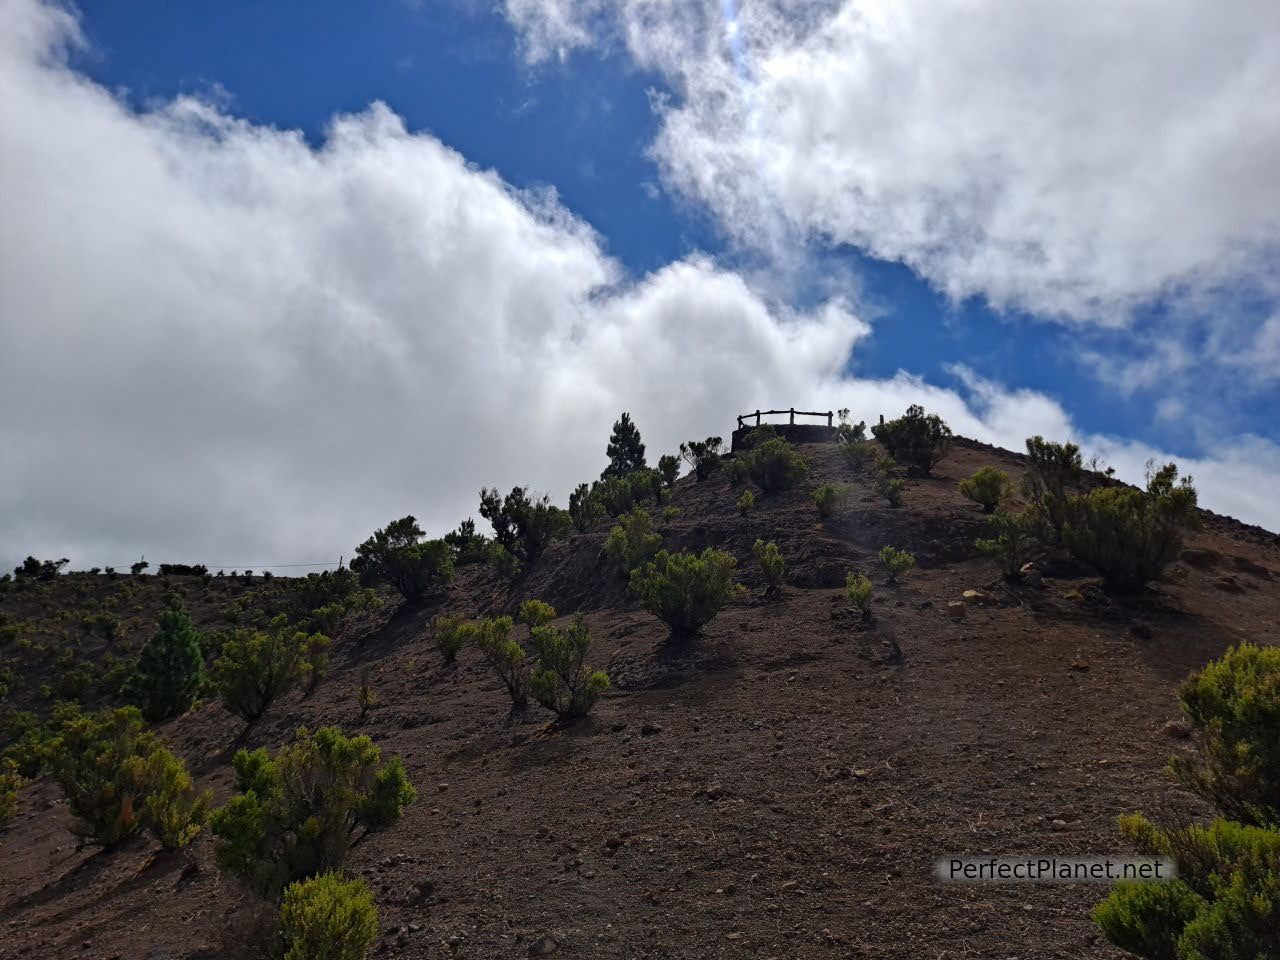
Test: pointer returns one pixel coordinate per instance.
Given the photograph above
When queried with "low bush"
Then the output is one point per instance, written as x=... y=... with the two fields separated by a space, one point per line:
x=327 y=918
x=860 y=454
x=33 y=569
x=536 y=613
x=170 y=669
x=895 y=562
x=1225 y=902
x=118 y=777
x=183 y=570
x=771 y=565
x=1234 y=706
x=300 y=812
x=1013 y=537
x=366 y=697
x=758 y=436
x=450 y=635
x=887 y=485
x=11 y=781
x=256 y=667
x=858 y=589
x=831 y=497
x=685 y=590
x=917 y=439
x=745 y=502
x=632 y=541
x=670 y=513
x=493 y=638
x=562 y=681
x=774 y=466
x=986 y=486
x=1129 y=536
x=848 y=432
x=703 y=456
x=400 y=556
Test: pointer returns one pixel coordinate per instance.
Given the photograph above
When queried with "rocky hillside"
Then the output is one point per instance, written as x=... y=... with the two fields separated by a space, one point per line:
x=780 y=787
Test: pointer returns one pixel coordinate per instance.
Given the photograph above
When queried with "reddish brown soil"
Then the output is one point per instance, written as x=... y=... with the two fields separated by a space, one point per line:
x=779 y=788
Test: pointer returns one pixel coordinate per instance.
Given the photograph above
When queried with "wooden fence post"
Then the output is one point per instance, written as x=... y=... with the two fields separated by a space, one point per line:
x=757 y=418
x=829 y=415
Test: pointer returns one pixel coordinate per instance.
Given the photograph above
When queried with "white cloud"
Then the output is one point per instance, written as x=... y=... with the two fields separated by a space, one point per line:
x=1074 y=160
x=222 y=345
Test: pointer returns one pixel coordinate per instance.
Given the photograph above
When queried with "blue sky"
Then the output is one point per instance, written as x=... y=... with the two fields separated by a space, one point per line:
x=252 y=283
x=583 y=128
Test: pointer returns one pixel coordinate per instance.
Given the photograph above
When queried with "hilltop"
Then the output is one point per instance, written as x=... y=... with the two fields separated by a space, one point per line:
x=778 y=787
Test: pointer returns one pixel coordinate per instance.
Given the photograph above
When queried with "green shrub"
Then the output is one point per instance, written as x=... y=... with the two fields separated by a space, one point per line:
x=449 y=634
x=505 y=564
x=625 y=451
x=536 y=613
x=986 y=486
x=30 y=742
x=1129 y=536
x=493 y=638
x=174 y=810
x=703 y=456
x=685 y=590
x=170 y=669
x=328 y=918
x=632 y=541
x=831 y=497
x=771 y=564
x=562 y=681
x=858 y=589
x=585 y=508
x=118 y=777
x=399 y=555
x=523 y=525
x=257 y=667
x=1234 y=706
x=11 y=781
x=860 y=454
x=1225 y=904
x=299 y=813
x=468 y=546
x=366 y=697
x=745 y=502
x=887 y=485
x=895 y=561
x=1013 y=537
x=670 y=513
x=1056 y=471
x=669 y=469
x=644 y=484
x=758 y=436
x=775 y=466
x=850 y=433
x=917 y=439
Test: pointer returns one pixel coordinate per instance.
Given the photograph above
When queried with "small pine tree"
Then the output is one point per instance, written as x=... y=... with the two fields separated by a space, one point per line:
x=625 y=451
x=11 y=781
x=366 y=697
x=493 y=638
x=449 y=634
x=887 y=485
x=632 y=541
x=170 y=669
x=1056 y=471
x=917 y=439
x=830 y=497
x=400 y=556
x=702 y=455
x=746 y=502
x=257 y=667
x=669 y=468
x=536 y=613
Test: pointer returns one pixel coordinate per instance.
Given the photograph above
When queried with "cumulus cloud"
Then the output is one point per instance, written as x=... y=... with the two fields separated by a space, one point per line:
x=224 y=345
x=1069 y=160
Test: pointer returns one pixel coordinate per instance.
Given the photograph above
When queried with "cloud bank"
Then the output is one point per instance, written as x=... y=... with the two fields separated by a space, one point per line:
x=1071 y=160
x=224 y=345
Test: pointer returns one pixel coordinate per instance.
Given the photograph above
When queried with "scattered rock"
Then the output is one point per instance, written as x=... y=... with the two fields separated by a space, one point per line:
x=544 y=946
x=649 y=729
x=1178 y=729
x=1058 y=825
x=976 y=598
x=956 y=610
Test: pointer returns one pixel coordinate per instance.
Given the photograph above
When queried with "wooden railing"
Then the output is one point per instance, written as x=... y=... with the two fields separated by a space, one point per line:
x=829 y=414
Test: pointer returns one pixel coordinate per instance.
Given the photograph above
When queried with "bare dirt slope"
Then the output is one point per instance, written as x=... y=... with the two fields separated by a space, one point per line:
x=780 y=789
